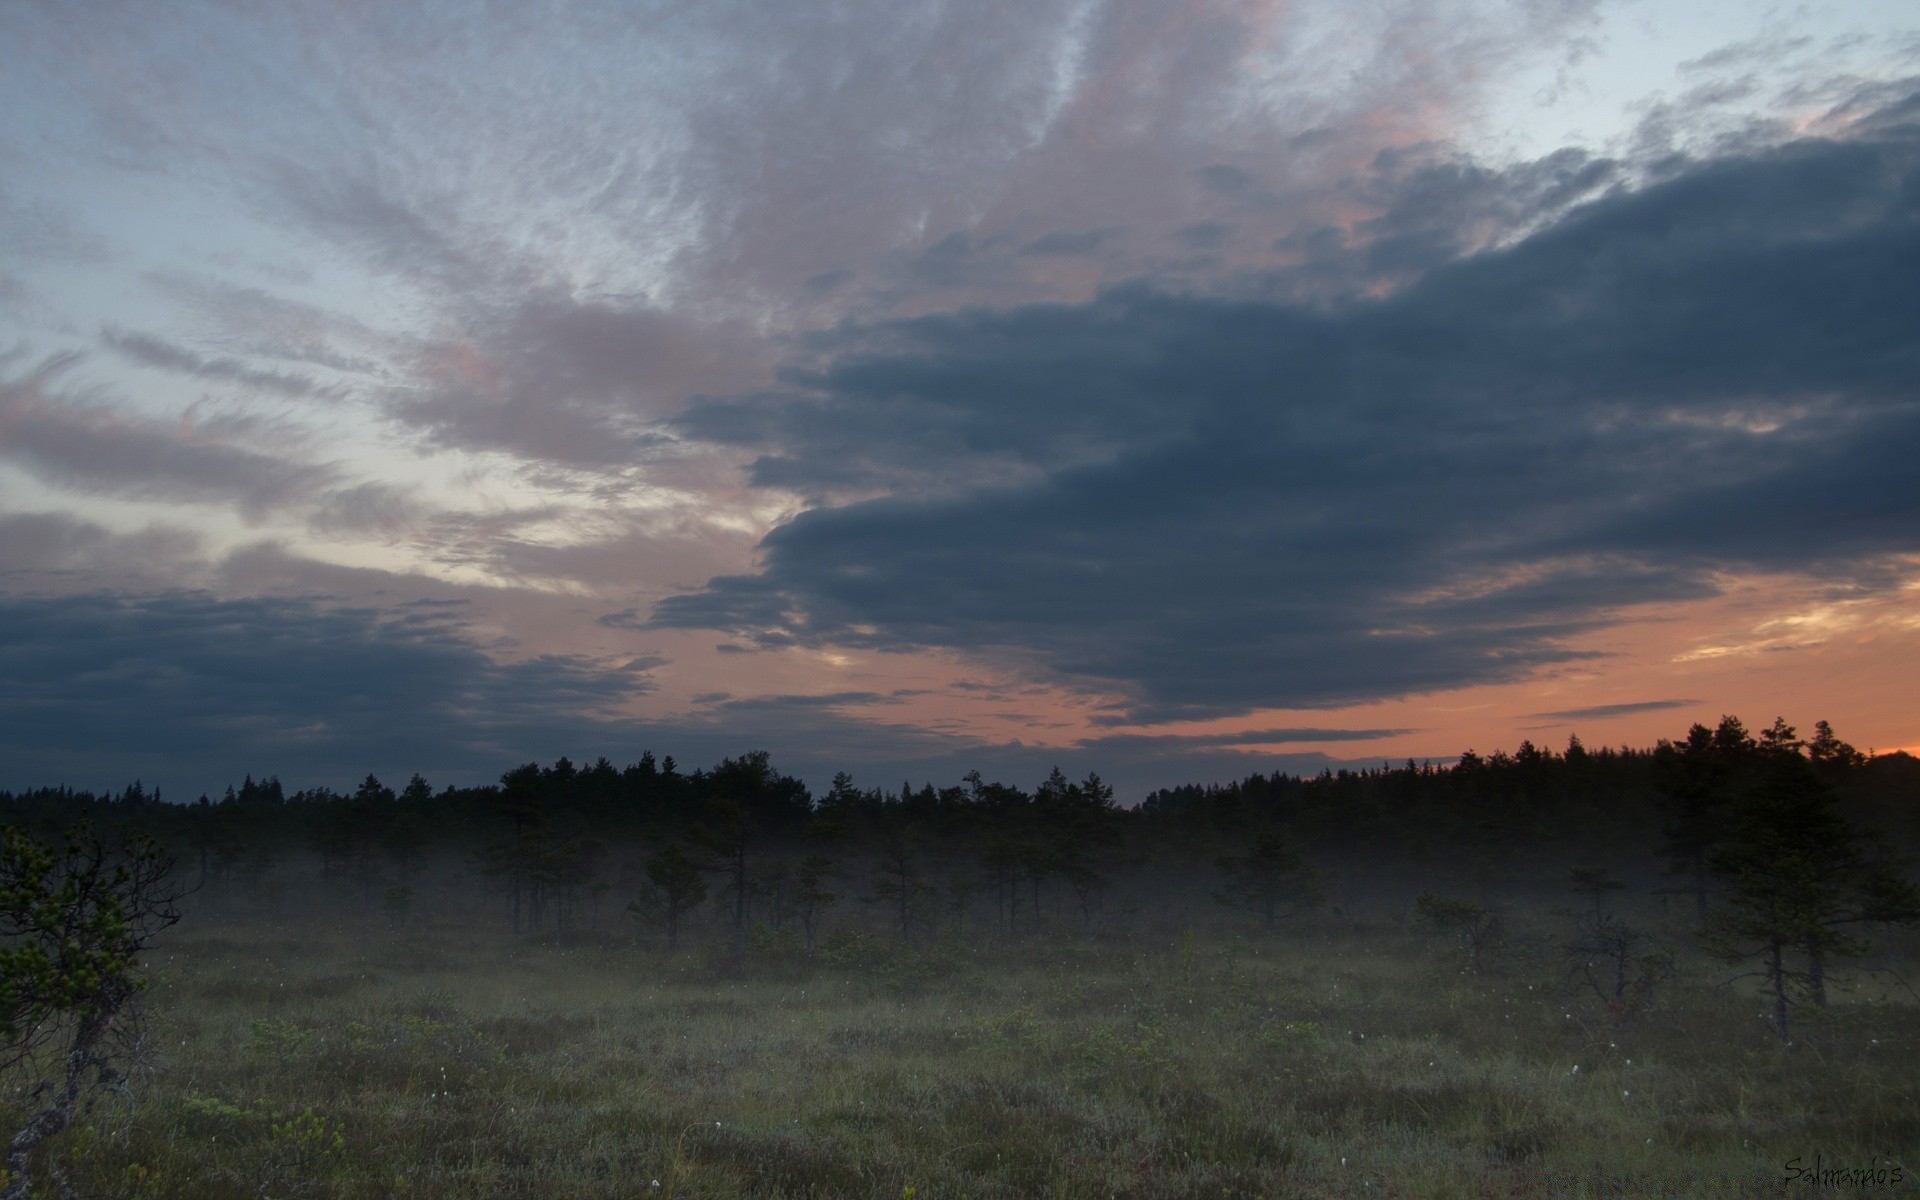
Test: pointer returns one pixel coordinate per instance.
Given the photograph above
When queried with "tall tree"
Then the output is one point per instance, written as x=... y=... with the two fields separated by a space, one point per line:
x=1801 y=880
x=512 y=852
x=1692 y=782
x=1826 y=751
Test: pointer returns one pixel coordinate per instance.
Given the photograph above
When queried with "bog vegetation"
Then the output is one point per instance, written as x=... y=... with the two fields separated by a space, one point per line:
x=1678 y=971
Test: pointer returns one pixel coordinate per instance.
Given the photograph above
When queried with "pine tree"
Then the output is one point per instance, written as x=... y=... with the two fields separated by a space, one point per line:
x=1269 y=879
x=677 y=886
x=1800 y=881
x=1693 y=780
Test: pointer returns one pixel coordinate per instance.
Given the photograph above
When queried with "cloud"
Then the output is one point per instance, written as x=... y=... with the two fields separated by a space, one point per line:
x=1600 y=712
x=366 y=508
x=70 y=440
x=183 y=686
x=269 y=325
x=36 y=547
x=190 y=691
x=1173 y=742
x=571 y=381
x=1214 y=506
x=1069 y=243
x=153 y=352
x=35 y=231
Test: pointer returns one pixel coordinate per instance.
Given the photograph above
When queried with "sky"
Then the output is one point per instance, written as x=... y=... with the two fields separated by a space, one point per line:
x=1172 y=390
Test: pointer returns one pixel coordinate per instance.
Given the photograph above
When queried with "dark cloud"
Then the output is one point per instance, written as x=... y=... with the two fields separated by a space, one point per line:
x=1600 y=712
x=1069 y=243
x=1213 y=506
x=816 y=736
x=1164 y=742
x=190 y=689
x=1226 y=179
x=36 y=546
x=1206 y=235
x=827 y=282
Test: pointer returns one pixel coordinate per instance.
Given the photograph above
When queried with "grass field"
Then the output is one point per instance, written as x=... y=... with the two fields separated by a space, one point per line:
x=344 y=1058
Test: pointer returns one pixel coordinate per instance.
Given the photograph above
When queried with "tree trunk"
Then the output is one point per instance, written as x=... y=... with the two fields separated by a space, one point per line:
x=50 y=1120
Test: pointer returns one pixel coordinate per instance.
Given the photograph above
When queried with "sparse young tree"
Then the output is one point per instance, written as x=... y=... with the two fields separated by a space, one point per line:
x=73 y=924
x=677 y=886
x=1596 y=884
x=898 y=884
x=1270 y=879
x=1610 y=958
x=810 y=896
x=1476 y=926
x=726 y=836
x=770 y=891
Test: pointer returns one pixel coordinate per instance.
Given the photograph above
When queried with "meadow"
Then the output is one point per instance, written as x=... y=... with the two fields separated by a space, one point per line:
x=295 y=1054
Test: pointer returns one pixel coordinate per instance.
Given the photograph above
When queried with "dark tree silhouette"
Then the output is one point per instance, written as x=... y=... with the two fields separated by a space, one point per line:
x=726 y=835
x=897 y=884
x=1475 y=925
x=1610 y=958
x=1270 y=879
x=678 y=886
x=810 y=896
x=1800 y=880
x=1693 y=781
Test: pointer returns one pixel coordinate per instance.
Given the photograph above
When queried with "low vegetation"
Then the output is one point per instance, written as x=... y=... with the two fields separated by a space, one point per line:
x=1350 y=1058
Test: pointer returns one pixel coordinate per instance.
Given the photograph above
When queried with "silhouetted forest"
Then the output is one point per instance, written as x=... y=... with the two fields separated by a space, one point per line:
x=563 y=848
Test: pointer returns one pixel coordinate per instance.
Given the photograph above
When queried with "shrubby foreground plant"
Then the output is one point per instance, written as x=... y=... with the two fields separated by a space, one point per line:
x=74 y=921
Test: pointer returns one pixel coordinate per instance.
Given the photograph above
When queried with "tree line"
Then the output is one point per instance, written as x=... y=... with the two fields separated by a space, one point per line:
x=1786 y=848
